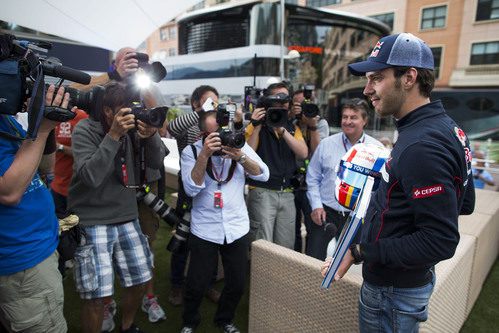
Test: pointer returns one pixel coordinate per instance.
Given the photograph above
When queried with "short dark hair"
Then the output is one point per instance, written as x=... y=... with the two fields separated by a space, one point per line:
x=425 y=79
x=296 y=92
x=357 y=104
x=115 y=95
x=274 y=86
x=199 y=92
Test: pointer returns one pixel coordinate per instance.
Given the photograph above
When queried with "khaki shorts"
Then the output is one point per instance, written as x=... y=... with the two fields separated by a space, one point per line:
x=32 y=300
x=149 y=220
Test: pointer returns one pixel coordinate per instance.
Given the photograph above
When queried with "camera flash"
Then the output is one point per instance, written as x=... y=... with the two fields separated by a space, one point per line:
x=143 y=81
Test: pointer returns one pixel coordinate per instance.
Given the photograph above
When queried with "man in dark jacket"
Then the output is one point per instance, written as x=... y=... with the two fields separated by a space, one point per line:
x=411 y=223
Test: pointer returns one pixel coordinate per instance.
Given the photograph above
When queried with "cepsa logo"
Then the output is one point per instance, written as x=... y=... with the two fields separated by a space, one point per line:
x=424 y=192
x=364 y=155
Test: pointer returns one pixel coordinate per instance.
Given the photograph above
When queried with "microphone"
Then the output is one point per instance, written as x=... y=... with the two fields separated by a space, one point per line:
x=330 y=229
x=66 y=73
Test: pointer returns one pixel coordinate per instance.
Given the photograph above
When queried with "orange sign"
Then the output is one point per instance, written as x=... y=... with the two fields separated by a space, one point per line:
x=306 y=49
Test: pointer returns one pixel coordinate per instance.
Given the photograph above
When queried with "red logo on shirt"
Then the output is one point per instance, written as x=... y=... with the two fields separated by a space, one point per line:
x=424 y=192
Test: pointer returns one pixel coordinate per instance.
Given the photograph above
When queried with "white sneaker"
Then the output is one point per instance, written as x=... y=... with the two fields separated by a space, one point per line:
x=152 y=308
x=109 y=312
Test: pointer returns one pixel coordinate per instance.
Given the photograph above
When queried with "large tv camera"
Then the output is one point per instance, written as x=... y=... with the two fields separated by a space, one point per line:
x=275 y=116
x=22 y=76
x=168 y=214
x=225 y=120
x=309 y=109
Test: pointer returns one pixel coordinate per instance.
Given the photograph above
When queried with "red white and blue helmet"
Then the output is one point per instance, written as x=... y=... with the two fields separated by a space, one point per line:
x=361 y=161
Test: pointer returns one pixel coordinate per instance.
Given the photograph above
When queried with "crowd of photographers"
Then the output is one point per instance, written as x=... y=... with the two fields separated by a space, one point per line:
x=107 y=167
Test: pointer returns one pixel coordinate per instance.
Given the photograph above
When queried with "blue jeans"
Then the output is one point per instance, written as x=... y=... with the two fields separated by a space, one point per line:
x=389 y=309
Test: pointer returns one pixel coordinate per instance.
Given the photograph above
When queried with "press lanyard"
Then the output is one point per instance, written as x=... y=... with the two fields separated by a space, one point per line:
x=345 y=146
x=140 y=163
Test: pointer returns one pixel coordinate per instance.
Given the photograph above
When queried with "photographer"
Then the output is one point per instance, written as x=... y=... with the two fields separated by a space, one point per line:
x=100 y=194
x=126 y=66
x=271 y=203
x=314 y=129
x=186 y=131
x=219 y=220
x=29 y=232
x=328 y=215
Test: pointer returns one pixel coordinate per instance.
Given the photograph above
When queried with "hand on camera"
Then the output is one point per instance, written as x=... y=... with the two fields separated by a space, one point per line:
x=123 y=122
x=212 y=143
x=296 y=109
x=310 y=122
x=127 y=65
x=258 y=115
x=145 y=131
x=232 y=153
x=60 y=99
x=318 y=216
x=238 y=115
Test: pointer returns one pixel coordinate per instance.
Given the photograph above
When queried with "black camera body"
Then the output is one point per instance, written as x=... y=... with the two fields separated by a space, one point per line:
x=225 y=118
x=155 y=70
x=275 y=116
x=309 y=109
x=89 y=101
x=154 y=117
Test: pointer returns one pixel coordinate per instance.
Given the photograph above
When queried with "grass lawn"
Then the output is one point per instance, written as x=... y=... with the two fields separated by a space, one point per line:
x=483 y=318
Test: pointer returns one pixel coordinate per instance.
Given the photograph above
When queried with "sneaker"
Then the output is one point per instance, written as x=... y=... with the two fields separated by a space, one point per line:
x=151 y=307
x=229 y=328
x=132 y=329
x=213 y=295
x=187 y=329
x=175 y=298
x=109 y=312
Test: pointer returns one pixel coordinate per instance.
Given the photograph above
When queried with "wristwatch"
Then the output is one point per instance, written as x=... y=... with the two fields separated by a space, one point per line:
x=60 y=148
x=242 y=159
x=357 y=257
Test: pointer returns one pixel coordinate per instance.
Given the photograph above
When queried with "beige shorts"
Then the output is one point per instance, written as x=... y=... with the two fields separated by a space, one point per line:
x=32 y=300
x=148 y=219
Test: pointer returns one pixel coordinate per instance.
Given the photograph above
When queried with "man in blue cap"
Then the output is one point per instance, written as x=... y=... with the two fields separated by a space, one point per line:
x=411 y=222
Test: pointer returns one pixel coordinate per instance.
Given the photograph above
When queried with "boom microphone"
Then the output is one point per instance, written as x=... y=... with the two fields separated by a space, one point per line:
x=66 y=73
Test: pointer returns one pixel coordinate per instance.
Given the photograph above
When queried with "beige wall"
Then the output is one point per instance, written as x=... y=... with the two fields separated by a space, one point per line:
x=154 y=42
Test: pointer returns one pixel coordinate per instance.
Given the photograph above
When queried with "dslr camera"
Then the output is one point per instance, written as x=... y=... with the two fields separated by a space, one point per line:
x=275 y=116
x=154 y=117
x=225 y=119
x=309 y=109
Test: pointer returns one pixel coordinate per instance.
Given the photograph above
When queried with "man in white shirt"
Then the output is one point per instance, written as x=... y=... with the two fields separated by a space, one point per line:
x=328 y=215
x=214 y=175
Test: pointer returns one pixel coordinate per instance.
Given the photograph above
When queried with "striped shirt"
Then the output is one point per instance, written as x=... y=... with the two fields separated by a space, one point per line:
x=321 y=174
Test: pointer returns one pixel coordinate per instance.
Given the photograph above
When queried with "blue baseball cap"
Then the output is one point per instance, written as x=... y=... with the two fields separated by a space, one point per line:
x=403 y=49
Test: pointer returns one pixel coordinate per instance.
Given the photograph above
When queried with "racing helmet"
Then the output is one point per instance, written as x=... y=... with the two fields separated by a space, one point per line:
x=359 y=162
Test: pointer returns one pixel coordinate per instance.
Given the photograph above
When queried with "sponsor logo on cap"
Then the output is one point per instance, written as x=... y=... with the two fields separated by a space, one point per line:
x=424 y=192
x=376 y=49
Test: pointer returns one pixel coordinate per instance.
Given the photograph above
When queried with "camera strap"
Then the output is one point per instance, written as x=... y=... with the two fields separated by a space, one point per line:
x=140 y=162
x=210 y=168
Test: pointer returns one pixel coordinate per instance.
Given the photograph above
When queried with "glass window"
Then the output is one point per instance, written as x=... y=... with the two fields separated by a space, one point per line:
x=437 y=58
x=199 y=5
x=221 y=1
x=434 y=17
x=322 y=3
x=171 y=32
x=485 y=53
x=385 y=18
x=162 y=34
x=487 y=10
x=171 y=52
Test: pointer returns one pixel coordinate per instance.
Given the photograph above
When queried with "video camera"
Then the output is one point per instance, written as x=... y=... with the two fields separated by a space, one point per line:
x=275 y=116
x=251 y=96
x=22 y=76
x=168 y=214
x=309 y=109
x=225 y=120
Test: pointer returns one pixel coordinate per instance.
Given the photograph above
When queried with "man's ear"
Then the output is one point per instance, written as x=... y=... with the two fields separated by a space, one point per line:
x=409 y=78
x=107 y=111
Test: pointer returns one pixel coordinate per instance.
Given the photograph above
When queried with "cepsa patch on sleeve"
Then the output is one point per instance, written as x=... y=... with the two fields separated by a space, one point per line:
x=428 y=191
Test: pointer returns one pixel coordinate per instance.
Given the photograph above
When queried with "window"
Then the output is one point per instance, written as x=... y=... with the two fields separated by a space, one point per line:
x=171 y=52
x=199 y=5
x=221 y=1
x=162 y=34
x=487 y=10
x=385 y=18
x=171 y=31
x=322 y=3
x=437 y=58
x=485 y=53
x=434 y=17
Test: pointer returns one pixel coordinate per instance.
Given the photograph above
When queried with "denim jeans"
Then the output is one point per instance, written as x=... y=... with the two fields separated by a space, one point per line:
x=389 y=309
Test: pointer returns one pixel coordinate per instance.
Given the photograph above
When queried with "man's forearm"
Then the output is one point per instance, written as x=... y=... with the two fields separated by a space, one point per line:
x=197 y=173
x=297 y=146
x=252 y=167
x=17 y=178
x=181 y=124
x=253 y=138
x=315 y=139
